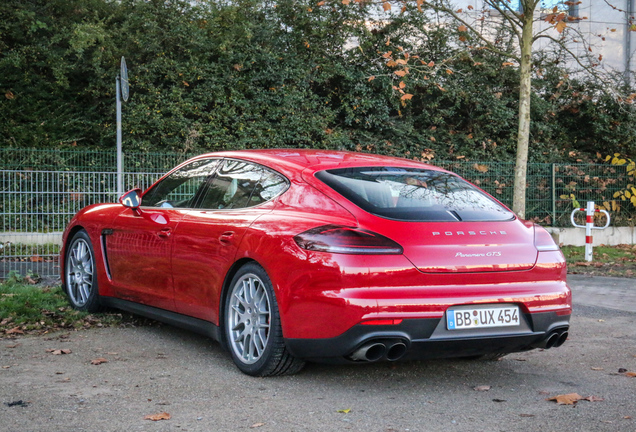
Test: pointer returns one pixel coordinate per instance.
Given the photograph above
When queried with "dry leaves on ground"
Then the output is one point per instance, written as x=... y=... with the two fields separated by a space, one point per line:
x=482 y=388
x=59 y=351
x=158 y=416
x=572 y=398
x=99 y=361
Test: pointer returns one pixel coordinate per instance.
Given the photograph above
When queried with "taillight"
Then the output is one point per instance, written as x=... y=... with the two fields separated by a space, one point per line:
x=543 y=241
x=346 y=240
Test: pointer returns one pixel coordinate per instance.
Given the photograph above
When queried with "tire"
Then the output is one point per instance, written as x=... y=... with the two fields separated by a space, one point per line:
x=80 y=282
x=252 y=326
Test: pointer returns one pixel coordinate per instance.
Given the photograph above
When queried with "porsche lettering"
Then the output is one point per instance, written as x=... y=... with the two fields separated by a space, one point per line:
x=470 y=233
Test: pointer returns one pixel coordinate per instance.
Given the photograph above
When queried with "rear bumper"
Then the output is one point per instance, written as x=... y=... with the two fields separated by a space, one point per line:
x=429 y=339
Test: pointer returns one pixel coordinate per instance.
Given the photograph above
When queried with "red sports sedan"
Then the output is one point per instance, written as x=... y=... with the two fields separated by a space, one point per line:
x=287 y=256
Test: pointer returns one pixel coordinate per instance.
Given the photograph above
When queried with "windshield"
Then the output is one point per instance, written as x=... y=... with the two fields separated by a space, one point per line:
x=410 y=194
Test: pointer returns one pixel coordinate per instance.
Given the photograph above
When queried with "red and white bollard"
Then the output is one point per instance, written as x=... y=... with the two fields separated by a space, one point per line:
x=589 y=226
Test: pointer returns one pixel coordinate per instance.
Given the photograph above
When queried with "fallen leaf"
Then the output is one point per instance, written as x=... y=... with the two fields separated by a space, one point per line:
x=13 y=346
x=14 y=330
x=482 y=388
x=345 y=411
x=597 y=368
x=386 y=6
x=630 y=374
x=257 y=425
x=566 y=399
x=99 y=361
x=462 y=28
x=406 y=96
x=20 y=403
x=622 y=370
x=157 y=417
x=59 y=351
x=371 y=78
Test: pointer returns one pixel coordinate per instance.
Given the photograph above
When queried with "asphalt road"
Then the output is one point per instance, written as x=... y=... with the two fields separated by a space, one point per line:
x=157 y=369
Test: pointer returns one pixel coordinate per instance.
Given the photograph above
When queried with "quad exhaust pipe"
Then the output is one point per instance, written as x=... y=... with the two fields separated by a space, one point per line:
x=390 y=350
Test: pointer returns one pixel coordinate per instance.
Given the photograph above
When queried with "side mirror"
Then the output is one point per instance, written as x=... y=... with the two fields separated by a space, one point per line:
x=131 y=199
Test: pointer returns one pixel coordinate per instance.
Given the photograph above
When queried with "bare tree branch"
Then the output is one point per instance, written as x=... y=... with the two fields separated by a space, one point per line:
x=489 y=45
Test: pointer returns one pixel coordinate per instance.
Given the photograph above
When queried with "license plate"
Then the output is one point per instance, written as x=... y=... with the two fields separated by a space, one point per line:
x=481 y=317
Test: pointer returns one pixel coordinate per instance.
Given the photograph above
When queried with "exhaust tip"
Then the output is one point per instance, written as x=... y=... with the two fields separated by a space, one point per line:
x=396 y=351
x=561 y=339
x=369 y=352
x=375 y=352
x=551 y=341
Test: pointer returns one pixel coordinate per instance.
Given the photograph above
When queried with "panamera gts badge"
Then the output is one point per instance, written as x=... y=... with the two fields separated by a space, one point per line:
x=476 y=255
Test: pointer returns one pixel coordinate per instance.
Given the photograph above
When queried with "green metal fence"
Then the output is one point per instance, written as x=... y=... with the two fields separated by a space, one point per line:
x=548 y=202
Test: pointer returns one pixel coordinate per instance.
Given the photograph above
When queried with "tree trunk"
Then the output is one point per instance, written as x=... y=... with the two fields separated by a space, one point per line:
x=523 y=136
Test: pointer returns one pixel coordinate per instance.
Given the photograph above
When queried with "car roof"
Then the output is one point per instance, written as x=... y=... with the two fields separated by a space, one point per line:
x=311 y=161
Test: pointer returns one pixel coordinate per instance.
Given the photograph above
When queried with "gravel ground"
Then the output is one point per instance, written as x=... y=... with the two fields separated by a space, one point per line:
x=158 y=368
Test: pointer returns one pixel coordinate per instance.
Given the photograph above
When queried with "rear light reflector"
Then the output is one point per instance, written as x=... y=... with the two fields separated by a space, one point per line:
x=564 y=312
x=346 y=240
x=383 y=321
x=543 y=241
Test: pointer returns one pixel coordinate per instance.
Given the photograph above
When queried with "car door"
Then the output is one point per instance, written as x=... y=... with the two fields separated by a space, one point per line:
x=208 y=238
x=139 y=242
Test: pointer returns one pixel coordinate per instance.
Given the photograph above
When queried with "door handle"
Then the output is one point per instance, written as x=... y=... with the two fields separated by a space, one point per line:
x=226 y=237
x=165 y=233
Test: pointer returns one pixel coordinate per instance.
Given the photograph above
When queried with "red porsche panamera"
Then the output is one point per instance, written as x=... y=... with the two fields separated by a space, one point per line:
x=287 y=256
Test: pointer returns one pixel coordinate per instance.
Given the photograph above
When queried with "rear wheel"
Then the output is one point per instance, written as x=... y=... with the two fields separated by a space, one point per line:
x=252 y=326
x=80 y=278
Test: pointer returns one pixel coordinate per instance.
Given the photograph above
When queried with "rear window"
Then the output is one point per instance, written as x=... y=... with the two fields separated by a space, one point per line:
x=414 y=194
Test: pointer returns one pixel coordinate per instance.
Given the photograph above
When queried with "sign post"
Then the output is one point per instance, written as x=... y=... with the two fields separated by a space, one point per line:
x=122 y=92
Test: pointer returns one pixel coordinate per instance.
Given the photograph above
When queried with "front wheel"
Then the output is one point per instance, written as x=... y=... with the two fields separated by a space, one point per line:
x=80 y=278
x=252 y=326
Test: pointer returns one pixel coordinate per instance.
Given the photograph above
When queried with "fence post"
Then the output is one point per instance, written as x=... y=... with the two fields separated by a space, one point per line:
x=553 y=194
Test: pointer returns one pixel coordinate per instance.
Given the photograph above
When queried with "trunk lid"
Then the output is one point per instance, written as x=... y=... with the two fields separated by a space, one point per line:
x=465 y=247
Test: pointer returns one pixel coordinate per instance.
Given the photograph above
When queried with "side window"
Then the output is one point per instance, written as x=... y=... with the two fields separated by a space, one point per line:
x=239 y=184
x=182 y=188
